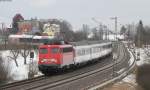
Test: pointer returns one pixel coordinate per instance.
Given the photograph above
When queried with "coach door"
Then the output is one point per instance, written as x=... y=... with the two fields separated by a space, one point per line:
x=67 y=56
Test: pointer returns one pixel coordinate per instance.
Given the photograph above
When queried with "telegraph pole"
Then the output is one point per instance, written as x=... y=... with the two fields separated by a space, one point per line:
x=116 y=21
x=106 y=29
x=2 y=26
x=101 y=32
x=115 y=59
x=3 y=33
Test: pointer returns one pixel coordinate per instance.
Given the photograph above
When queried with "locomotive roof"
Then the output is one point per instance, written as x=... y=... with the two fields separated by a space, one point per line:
x=60 y=46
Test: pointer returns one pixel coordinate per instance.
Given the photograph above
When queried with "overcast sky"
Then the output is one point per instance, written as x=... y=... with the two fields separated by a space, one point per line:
x=79 y=12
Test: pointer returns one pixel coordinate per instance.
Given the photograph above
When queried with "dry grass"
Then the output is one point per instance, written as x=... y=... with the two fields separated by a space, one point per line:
x=123 y=86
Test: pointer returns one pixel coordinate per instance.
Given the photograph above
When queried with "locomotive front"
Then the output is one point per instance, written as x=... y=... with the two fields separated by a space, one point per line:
x=49 y=58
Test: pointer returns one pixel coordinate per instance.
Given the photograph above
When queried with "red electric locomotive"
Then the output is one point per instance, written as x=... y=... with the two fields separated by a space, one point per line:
x=52 y=57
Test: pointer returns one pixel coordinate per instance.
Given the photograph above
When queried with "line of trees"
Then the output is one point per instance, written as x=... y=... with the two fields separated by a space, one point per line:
x=139 y=33
x=66 y=31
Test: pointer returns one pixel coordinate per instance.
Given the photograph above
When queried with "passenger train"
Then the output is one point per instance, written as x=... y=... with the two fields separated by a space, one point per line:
x=59 y=56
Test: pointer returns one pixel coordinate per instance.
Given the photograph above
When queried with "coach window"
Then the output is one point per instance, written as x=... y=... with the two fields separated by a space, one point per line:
x=104 y=47
x=83 y=52
x=87 y=51
x=110 y=45
x=79 y=52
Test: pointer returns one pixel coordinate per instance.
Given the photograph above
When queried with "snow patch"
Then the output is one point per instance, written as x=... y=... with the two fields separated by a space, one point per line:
x=20 y=72
x=130 y=79
x=143 y=57
x=131 y=58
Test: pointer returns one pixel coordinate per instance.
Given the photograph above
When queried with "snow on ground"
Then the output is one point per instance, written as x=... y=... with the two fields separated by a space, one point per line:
x=130 y=79
x=143 y=57
x=131 y=58
x=20 y=72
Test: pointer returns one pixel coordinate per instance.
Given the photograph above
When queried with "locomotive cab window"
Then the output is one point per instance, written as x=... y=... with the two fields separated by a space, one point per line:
x=43 y=50
x=55 y=50
x=68 y=49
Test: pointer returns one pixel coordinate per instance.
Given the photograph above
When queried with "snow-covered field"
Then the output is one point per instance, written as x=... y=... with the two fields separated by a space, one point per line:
x=20 y=72
x=144 y=58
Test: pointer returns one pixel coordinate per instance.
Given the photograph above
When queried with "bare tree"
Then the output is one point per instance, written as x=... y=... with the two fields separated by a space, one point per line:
x=79 y=35
x=18 y=17
x=25 y=52
x=15 y=52
x=147 y=35
x=123 y=30
x=85 y=29
x=139 y=38
x=96 y=34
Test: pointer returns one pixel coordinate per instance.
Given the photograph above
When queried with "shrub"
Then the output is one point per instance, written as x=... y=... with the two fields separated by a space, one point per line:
x=4 y=71
x=143 y=76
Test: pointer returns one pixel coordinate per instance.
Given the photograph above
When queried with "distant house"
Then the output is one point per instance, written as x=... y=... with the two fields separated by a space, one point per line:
x=29 y=27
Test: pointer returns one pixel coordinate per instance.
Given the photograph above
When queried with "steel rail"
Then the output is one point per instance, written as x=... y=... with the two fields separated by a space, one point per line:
x=9 y=85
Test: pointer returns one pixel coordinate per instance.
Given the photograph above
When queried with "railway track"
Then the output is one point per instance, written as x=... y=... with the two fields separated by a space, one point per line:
x=42 y=83
x=9 y=85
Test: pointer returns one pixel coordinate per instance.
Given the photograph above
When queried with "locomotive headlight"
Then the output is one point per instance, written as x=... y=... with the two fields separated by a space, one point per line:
x=53 y=60
x=49 y=60
x=44 y=60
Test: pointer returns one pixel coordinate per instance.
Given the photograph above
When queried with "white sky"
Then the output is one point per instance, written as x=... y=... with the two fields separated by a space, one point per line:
x=79 y=12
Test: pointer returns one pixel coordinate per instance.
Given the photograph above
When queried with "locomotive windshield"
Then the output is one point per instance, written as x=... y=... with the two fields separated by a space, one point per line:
x=68 y=49
x=55 y=50
x=43 y=50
